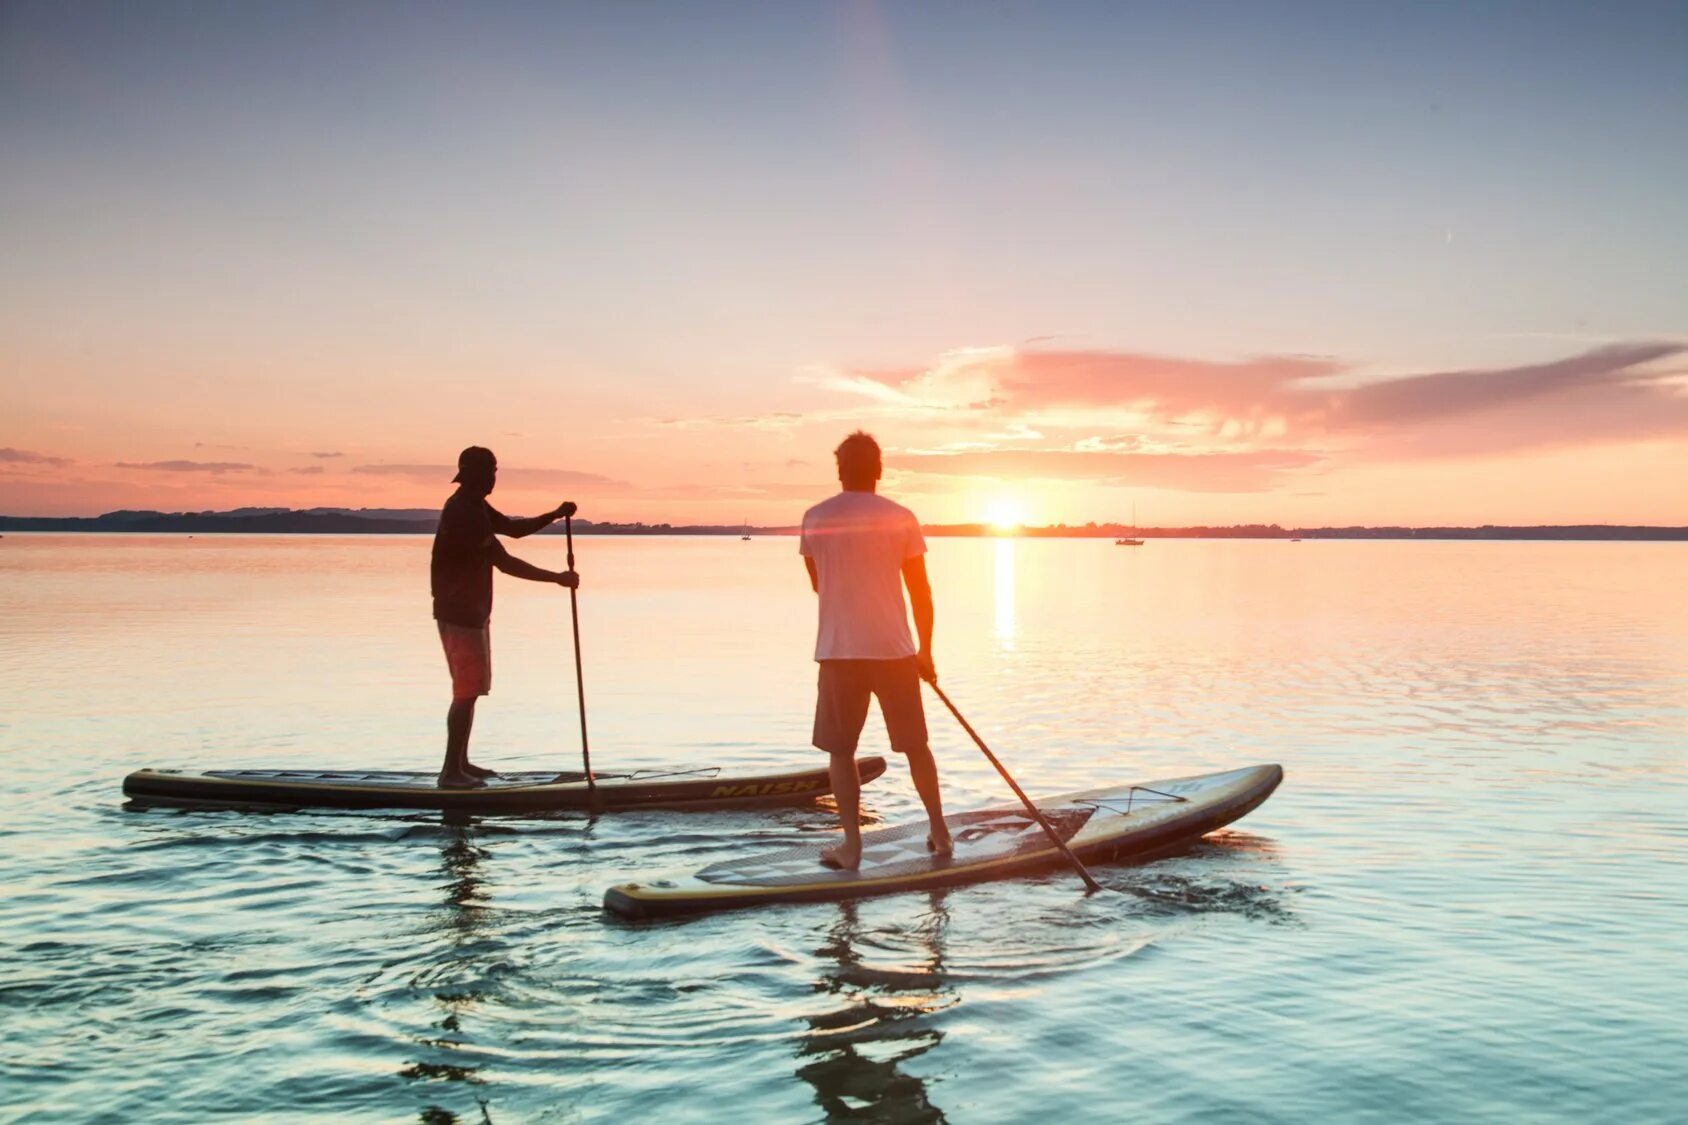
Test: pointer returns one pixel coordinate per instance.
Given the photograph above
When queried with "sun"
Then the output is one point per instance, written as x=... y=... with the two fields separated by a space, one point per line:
x=1005 y=514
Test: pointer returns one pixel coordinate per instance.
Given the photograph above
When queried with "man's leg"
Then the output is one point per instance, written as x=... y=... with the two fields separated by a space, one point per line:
x=924 y=770
x=847 y=792
x=897 y=683
x=458 y=722
x=841 y=703
x=468 y=655
x=482 y=668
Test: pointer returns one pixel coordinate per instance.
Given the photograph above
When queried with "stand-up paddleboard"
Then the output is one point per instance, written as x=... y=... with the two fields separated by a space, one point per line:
x=511 y=793
x=1099 y=824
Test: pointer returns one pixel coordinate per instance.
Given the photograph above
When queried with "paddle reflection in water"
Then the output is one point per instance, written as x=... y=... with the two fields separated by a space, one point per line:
x=853 y=1053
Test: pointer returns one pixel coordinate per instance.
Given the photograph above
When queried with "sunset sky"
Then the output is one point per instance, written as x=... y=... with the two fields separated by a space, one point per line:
x=1295 y=263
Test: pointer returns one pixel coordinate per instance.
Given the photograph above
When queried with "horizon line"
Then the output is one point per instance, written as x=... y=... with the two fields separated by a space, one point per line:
x=402 y=521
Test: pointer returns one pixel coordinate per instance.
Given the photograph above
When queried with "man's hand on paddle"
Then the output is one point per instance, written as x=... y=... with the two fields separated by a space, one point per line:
x=928 y=670
x=567 y=578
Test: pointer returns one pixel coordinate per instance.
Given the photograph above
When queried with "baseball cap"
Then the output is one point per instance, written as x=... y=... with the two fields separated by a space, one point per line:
x=475 y=459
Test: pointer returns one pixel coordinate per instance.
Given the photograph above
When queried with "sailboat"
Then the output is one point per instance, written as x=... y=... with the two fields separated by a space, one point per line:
x=1130 y=542
x=745 y=534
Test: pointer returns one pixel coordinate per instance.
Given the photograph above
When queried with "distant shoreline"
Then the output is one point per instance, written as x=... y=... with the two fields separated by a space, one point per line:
x=414 y=522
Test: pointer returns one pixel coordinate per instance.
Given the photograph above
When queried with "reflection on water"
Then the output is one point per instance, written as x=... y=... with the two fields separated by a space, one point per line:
x=855 y=1051
x=1005 y=592
x=460 y=921
x=1463 y=903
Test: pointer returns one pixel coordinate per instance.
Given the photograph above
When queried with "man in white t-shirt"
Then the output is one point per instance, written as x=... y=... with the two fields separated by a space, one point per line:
x=861 y=549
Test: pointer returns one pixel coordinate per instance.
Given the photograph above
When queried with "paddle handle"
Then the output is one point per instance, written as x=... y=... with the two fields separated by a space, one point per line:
x=1049 y=829
x=579 y=676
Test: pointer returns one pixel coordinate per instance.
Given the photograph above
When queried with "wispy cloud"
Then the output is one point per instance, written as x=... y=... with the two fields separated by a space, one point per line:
x=1614 y=371
x=967 y=377
x=326 y=456
x=776 y=420
x=510 y=477
x=215 y=468
x=432 y=473
x=761 y=490
x=30 y=457
x=308 y=471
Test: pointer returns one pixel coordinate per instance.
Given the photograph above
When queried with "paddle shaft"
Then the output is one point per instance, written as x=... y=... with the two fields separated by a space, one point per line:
x=579 y=676
x=1048 y=828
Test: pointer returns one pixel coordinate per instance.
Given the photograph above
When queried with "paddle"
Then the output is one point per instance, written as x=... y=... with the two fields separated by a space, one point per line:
x=1018 y=792
x=579 y=677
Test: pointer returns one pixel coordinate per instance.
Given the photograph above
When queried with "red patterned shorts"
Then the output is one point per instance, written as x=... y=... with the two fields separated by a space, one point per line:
x=468 y=653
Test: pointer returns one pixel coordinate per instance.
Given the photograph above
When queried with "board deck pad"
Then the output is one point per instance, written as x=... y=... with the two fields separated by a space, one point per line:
x=1115 y=822
x=977 y=837
x=419 y=779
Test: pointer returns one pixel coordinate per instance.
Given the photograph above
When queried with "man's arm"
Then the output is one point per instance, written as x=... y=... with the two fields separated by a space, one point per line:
x=814 y=575
x=517 y=568
x=920 y=601
x=516 y=527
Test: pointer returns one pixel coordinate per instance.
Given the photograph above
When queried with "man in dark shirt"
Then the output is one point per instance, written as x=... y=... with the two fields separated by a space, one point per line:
x=466 y=548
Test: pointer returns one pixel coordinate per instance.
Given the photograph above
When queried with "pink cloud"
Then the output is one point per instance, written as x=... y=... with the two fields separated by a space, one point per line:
x=1165 y=386
x=1025 y=380
x=1613 y=391
x=1191 y=472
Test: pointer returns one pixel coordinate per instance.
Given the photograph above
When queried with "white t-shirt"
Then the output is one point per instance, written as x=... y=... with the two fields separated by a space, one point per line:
x=859 y=541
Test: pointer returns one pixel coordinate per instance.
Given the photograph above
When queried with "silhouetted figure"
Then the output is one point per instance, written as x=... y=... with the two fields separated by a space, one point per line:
x=861 y=549
x=466 y=548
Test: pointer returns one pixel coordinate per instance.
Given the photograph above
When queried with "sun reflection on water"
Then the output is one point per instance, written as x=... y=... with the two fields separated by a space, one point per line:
x=1004 y=621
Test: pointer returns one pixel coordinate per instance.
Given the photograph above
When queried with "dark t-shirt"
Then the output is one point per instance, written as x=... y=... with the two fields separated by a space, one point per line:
x=465 y=548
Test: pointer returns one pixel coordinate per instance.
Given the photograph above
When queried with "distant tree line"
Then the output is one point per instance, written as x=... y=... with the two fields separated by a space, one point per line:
x=341 y=521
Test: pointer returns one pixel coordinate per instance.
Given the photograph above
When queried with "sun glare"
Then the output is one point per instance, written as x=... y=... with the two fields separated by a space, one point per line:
x=1005 y=514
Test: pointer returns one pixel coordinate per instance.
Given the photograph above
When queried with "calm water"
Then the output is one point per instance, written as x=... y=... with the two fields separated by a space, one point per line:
x=1467 y=900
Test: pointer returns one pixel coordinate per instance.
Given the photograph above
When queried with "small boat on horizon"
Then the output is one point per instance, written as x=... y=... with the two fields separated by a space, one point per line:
x=1130 y=540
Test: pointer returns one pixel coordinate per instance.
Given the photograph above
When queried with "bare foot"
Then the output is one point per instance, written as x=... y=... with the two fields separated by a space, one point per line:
x=473 y=770
x=460 y=781
x=843 y=857
x=939 y=843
